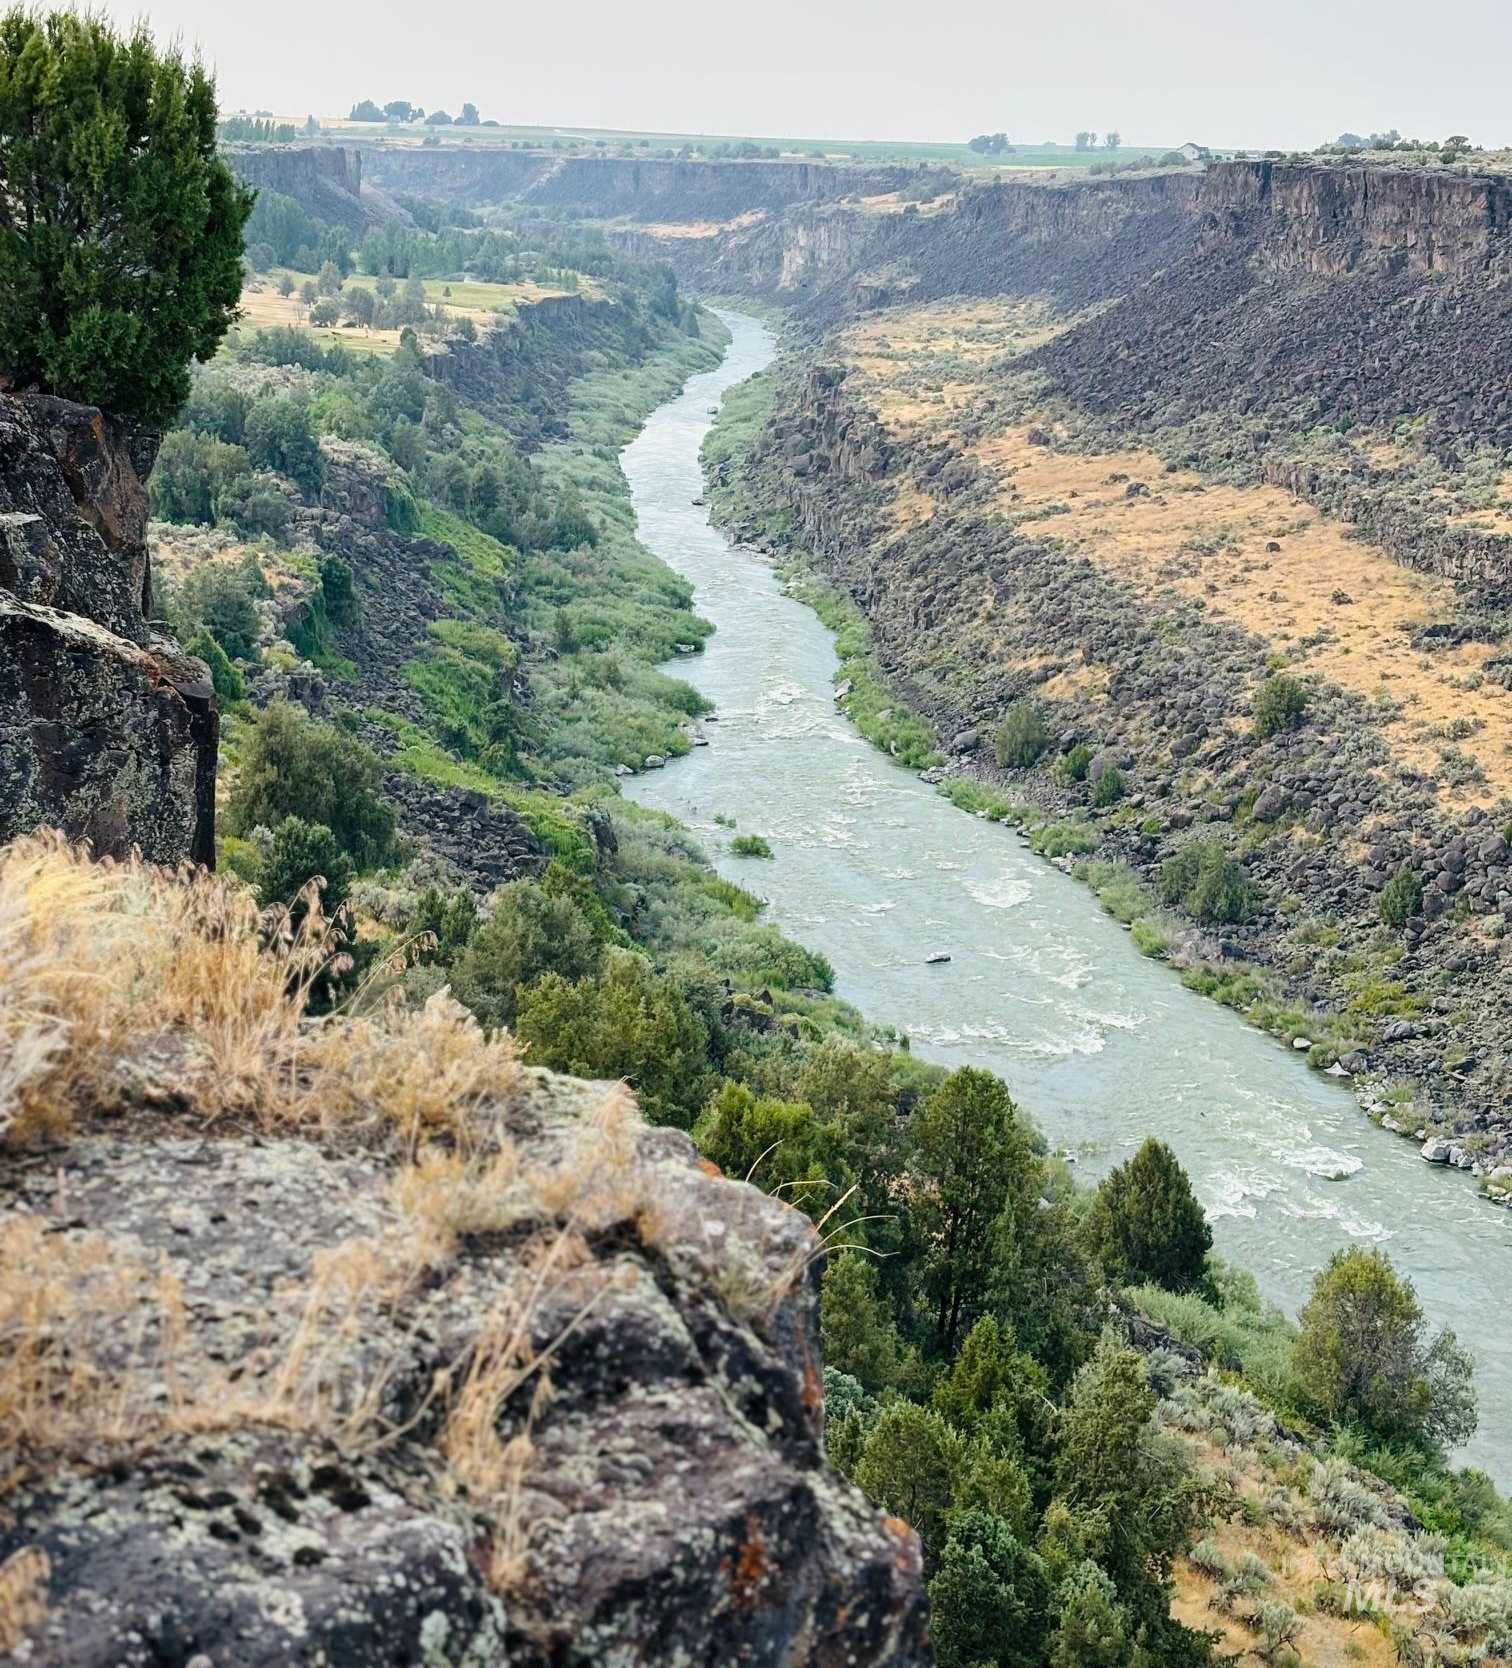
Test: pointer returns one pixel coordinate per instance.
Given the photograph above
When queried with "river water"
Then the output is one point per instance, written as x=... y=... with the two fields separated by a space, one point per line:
x=1099 y=1044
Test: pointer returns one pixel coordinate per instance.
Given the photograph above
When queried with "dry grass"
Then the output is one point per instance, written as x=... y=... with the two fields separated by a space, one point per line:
x=919 y=368
x=102 y=962
x=262 y=307
x=23 y=1595
x=1211 y=542
x=677 y=230
x=97 y=1353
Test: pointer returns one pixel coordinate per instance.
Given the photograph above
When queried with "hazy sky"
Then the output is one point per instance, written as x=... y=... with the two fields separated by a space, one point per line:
x=1267 y=72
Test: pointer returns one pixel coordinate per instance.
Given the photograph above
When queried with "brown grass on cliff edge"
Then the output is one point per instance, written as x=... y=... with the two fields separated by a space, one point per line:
x=124 y=982
x=108 y=967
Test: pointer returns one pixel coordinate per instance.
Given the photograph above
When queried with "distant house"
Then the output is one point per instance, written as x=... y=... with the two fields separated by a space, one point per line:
x=1195 y=153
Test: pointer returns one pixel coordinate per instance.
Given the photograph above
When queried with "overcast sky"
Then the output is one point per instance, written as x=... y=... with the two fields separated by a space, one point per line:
x=1278 y=73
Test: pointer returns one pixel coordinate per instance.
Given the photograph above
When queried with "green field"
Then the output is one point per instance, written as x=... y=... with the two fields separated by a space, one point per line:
x=614 y=141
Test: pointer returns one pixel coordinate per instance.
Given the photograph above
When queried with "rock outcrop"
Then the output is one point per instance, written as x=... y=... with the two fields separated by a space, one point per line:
x=649 y=188
x=325 y=180
x=107 y=730
x=672 y=1505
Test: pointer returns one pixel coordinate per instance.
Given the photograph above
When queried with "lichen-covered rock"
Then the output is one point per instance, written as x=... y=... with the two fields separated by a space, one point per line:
x=107 y=730
x=676 y=1507
x=109 y=741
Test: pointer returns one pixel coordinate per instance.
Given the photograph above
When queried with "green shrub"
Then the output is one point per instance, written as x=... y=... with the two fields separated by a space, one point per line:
x=1279 y=704
x=280 y=440
x=1108 y=789
x=302 y=852
x=229 y=687
x=1022 y=737
x=1208 y=884
x=1070 y=838
x=625 y=1022
x=1149 y=940
x=750 y=845
x=1401 y=898
x=1145 y=1223
x=221 y=598
x=530 y=933
x=293 y=767
x=1071 y=766
x=982 y=801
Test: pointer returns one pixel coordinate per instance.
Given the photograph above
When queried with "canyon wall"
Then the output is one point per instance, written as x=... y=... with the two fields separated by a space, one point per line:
x=326 y=180
x=107 y=730
x=649 y=188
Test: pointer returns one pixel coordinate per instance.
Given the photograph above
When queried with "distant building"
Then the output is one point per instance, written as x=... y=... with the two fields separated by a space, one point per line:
x=1195 y=153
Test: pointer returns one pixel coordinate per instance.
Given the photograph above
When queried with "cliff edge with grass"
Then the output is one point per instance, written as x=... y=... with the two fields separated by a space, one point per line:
x=355 y=1340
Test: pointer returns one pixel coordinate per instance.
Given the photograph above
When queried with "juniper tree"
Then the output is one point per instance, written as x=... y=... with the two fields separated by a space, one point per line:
x=120 y=225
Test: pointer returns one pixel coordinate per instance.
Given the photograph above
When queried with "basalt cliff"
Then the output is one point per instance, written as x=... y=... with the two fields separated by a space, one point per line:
x=107 y=730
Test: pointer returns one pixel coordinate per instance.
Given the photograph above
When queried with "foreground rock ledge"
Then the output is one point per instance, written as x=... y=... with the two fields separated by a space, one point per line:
x=679 y=1507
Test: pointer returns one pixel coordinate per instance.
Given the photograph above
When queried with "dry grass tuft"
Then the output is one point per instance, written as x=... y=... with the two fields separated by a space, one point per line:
x=63 y=1303
x=23 y=1595
x=97 y=957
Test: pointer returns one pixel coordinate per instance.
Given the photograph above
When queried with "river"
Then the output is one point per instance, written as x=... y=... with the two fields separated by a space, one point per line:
x=1100 y=1045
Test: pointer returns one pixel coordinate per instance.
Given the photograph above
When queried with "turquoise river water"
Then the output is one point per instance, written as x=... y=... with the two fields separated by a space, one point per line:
x=1100 y=1045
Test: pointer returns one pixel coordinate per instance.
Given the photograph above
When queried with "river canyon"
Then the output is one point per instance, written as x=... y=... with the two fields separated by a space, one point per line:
x=1101 y=1046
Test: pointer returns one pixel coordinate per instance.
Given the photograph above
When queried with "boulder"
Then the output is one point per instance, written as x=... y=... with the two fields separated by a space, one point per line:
x=673 y=1503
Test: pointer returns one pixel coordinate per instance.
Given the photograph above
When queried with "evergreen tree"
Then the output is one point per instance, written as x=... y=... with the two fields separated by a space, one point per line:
x=120 y=225
x=1092 y=1630
x=279 y=438
x=860 y=1336
x=293 y=767
x=990 y=1599
x=1364 y=1358
x=1146 y=1224
x=972 y=1161
x=777 y=1144
x=302 y=852
x=627 y=1022
x=1127 y=1487
x=530 y=933
x=910 y=1467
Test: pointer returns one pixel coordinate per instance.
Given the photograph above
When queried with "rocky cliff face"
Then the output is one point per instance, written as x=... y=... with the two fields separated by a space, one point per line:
x=326 y=180
x=680 y=1507
x=653 y=188
x=1096 y=239
x=1306 y=217
x=584 y=1426
x=107 y=730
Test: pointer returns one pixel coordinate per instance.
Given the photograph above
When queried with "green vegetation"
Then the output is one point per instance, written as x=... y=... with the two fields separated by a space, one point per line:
x=860 y=686
x=1208 y=884
x=1146 y=1226
x=750 y=845
x=1401 y=898
x=978 y=1382
x=291 y=767
x=1108 y=789
x=1023 y=737
x=1363 y=1359
x=1279 y=704
x=121 y=237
